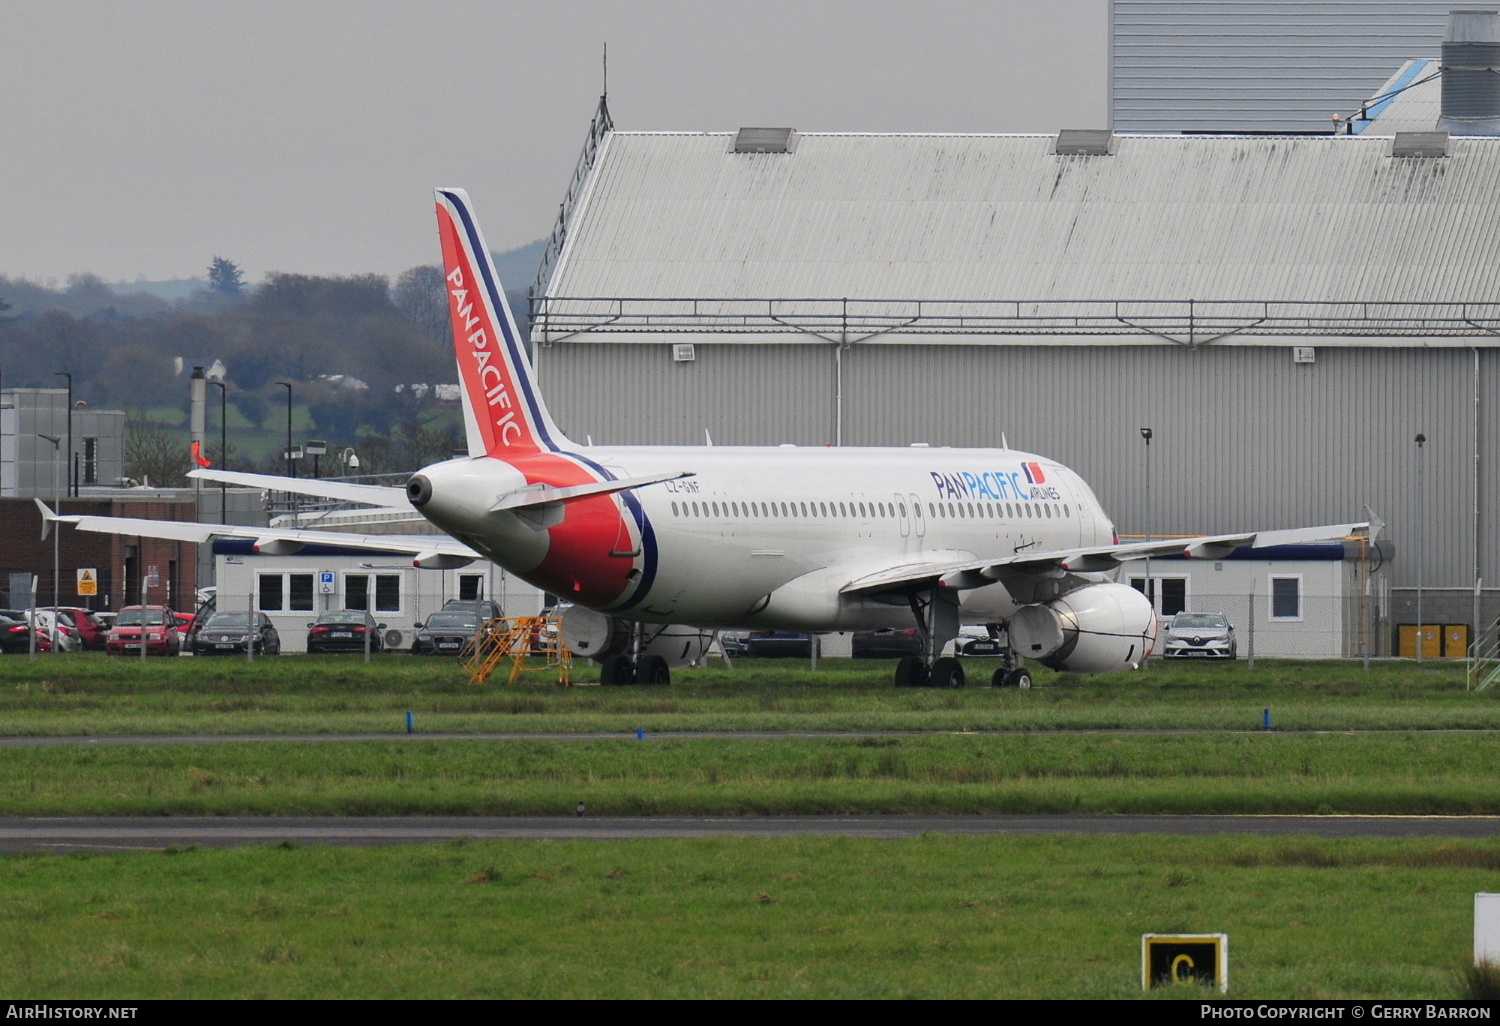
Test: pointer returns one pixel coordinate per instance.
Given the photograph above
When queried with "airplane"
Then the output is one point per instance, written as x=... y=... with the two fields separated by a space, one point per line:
x=655 y=546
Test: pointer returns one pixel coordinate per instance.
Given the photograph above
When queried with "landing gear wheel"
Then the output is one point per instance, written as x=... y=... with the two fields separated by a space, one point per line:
x=947 y=673
x=911 y=672
x=1013 y=679
x=617 y=669
x=654 y=670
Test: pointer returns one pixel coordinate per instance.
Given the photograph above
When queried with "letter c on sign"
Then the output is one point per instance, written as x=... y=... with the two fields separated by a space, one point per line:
x=1177 y=962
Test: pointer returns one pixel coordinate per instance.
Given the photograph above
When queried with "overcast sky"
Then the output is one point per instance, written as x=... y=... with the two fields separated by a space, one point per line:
x=141 y=139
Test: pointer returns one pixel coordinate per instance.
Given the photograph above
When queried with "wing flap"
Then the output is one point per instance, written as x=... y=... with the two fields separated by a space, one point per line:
x=978 y=573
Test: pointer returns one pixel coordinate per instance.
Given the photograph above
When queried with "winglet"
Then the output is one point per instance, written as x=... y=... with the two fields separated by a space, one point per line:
x=47 y=517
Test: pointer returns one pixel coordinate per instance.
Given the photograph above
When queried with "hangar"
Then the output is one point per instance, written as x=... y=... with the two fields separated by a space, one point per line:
x=1285 y=313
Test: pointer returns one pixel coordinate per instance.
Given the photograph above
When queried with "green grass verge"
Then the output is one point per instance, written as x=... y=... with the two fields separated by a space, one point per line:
x=934 y=917
x=1387 y=773
x=92 y=694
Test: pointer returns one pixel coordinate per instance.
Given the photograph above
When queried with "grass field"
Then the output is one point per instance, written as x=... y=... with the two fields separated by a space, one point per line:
x=935 y=917
x=1390 y=773
x=71 y=694
x=938 y=916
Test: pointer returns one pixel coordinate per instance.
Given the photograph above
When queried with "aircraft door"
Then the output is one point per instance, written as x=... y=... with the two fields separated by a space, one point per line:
x=918 y=522
x=901 y=516
x=1085 y=521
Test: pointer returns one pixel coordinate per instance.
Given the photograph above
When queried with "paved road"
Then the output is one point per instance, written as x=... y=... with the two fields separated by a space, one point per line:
x=132 y=833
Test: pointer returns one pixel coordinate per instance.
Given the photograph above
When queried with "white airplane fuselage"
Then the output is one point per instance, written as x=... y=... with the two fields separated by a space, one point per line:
x=728 y=545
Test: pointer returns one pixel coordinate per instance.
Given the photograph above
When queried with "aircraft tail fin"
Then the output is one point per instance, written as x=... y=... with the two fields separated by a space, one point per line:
x=504 y=415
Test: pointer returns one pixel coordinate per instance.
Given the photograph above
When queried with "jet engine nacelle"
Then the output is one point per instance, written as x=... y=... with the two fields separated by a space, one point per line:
x=1096 y=629
x=595 y=635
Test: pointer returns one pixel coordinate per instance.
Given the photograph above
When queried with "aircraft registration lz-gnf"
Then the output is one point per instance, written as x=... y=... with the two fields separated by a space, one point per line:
x=640 y=538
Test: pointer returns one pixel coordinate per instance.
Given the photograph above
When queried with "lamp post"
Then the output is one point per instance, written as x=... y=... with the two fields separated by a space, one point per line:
x=223 y=448
x=291 y=470
x=1146 y=434
x=75 y=470
x=1421 y=495
x=315 y=448
x=56 y=534
x=72 y=490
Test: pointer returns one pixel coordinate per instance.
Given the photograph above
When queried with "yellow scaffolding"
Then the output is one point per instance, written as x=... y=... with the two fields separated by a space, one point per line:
x=518 y=638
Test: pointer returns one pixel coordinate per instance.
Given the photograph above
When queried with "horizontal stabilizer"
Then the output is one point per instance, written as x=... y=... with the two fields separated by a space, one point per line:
x=541 y=495
x=324 y=488
x=426 y=548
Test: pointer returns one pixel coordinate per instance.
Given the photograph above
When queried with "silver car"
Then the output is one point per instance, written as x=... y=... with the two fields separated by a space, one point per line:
x=1199 y=636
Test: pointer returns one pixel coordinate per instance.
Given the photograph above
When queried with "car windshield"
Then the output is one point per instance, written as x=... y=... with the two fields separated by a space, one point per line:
x=464 y=620
x=1198 y=620
x=228 y=620
x=342 y=616
x=132 y=618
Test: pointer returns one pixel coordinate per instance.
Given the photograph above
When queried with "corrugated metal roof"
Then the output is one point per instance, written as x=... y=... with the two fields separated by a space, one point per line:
x=971 y=219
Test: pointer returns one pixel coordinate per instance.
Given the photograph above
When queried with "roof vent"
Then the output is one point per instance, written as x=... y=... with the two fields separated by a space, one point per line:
x=764 y=140
x=1471 y=73
x=1420 y=144
x=1085 y=142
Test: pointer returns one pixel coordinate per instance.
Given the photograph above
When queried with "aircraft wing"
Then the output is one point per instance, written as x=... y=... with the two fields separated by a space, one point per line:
x=976 y=573
x=327 y=488
x=429 y=551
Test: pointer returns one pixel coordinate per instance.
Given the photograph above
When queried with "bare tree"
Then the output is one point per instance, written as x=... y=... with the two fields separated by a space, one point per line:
x=155 y=452
x=422 y=298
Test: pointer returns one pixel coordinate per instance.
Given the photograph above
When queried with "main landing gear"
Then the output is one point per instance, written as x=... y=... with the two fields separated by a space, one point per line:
x=936 y=612
x=635 y=668
x=913 y=672
x=621 y=670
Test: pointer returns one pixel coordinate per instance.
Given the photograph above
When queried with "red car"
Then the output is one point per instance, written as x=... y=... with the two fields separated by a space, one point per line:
x=162 y=636
x=91 y=631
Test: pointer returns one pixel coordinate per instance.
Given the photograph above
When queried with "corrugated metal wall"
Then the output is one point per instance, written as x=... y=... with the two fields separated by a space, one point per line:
x=1243 y=437
x=1259 y=65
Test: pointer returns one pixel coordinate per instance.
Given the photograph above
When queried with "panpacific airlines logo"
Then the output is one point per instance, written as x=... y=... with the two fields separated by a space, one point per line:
x=1026 y=485
x=487 y=360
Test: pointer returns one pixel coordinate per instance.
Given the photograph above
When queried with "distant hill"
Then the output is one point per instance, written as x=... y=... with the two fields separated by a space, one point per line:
x=180 y=288
x=517 y=267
